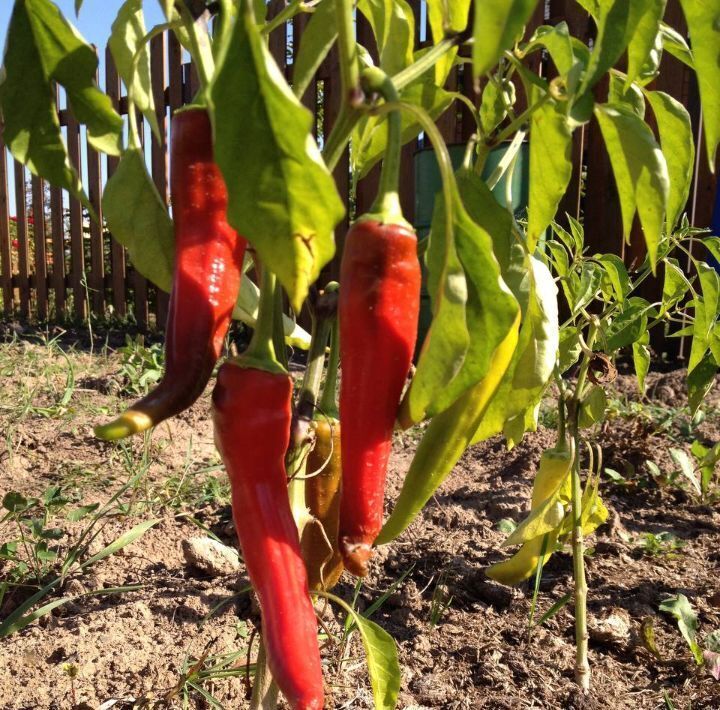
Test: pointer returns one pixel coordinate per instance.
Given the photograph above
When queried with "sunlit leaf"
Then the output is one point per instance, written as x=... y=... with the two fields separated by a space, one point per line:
x=498 y=23
x=643 y=38
x=703 y=19
x=316 y=41
x=445 y=16
x=282 y=198
x=679 y=607
x=393 y=25
x=640 y=171
x=127 y=31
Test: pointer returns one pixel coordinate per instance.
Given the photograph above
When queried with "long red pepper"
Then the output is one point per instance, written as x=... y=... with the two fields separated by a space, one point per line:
x=378 y=316
x=206 y=278
x=252 y=404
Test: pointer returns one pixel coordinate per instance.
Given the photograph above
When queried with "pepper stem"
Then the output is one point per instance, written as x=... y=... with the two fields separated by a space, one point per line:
x=387 y=203
x=328 y=401
x=261 y=351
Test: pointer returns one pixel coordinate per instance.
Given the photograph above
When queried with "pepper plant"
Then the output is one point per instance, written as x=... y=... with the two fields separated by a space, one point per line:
x=494 y=343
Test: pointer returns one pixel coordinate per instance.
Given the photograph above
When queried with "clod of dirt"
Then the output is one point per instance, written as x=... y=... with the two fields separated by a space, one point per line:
x=210 y=556
x=613 y=629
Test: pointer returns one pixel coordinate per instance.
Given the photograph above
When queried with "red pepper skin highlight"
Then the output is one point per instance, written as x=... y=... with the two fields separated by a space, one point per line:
x=378 y=316
x=251 y=415
x=206 y=278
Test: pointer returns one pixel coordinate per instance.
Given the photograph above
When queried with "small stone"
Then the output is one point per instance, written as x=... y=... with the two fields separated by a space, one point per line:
x=210 y=556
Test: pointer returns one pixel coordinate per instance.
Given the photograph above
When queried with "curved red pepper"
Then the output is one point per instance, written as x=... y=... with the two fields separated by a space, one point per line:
x=378 y=316
x=206 y=278
x=251 y=414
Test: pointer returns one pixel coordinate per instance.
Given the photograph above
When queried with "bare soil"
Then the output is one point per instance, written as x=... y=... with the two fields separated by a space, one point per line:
x=134 y=649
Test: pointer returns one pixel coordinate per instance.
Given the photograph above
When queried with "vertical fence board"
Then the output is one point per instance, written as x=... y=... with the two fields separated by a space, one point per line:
x=5 y=244
x=96 y=278
x=23 y=278
x=117 y=253
x=77 y=246
x=158 y=66
x=57 y=226
x=38 y=213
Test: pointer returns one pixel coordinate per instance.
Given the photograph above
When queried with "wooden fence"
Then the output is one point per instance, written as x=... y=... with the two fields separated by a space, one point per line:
x=57 y=265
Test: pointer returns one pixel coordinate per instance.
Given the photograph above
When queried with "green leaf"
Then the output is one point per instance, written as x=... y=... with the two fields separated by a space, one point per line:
x=282 y=198
x=685 y=465
x=78 y=5
x=569 y=348
x=82 y=512
x=678 y=147
x=550 y=167
x=316 y=41
x=584 y=291
x=674 y=43
x=617 y=275
x=640 y=170
x=679 y=607
x=393 y=25
x=675 y=284
x=382 y=662
x=127 y=32
x=498 y=23
x=700 y=381
x=542 y=519
x=137 y=217
x=616 y=23
x=641 y=360
x=703 y=19
x=445 y=17
x=629 y=96
x=592 y=407
x=558 y=42
x=69 y=60
x=429 y=394
x=16 y=502
x=31 y=128
x=123 y=541
x=497 y=96
x=643 y=38
x=628 y=326
x=369 y=140
x=514 y=405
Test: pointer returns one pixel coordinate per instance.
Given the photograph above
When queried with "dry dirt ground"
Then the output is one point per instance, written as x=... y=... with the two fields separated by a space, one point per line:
x=463 y=640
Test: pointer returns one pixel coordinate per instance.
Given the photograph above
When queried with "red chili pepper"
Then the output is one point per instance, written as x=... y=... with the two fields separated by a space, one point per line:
x=378 y=315
x=251 y=414
x=206 y=279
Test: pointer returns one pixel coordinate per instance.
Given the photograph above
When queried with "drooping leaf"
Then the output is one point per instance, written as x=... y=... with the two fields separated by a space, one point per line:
x=31 y=127
x=616 y=23
x=674 y=43
x=316 y=41
x=393 y=25
x=675 y=285
x=640 y=171
x=497 y=96
x=680 y=608
x=490 y=308
x=641 y=360
x=583 y=290
x=498 y=23
x=700 y=381
x=513 y=408
x=127 y=32
x=550 y=167
x=67 y=59
x=678 y=147
x=703 y=19
x=686 y=468
x=446 y=16
x=138 y=218
x=592 y=407
x=558 y=42
x=630 y=96
x=282 y=198
x=643 y=38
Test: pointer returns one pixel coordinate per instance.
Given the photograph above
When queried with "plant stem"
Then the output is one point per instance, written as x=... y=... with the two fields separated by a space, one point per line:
x=295 y=8
x=520 y=120
x=261 y=351
x=388 y=199
x=265 y=690
x=340 y=135
x=426 y=62
x=313 y=372
x=582 y=666
x=347 y=46
x=328 y=405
